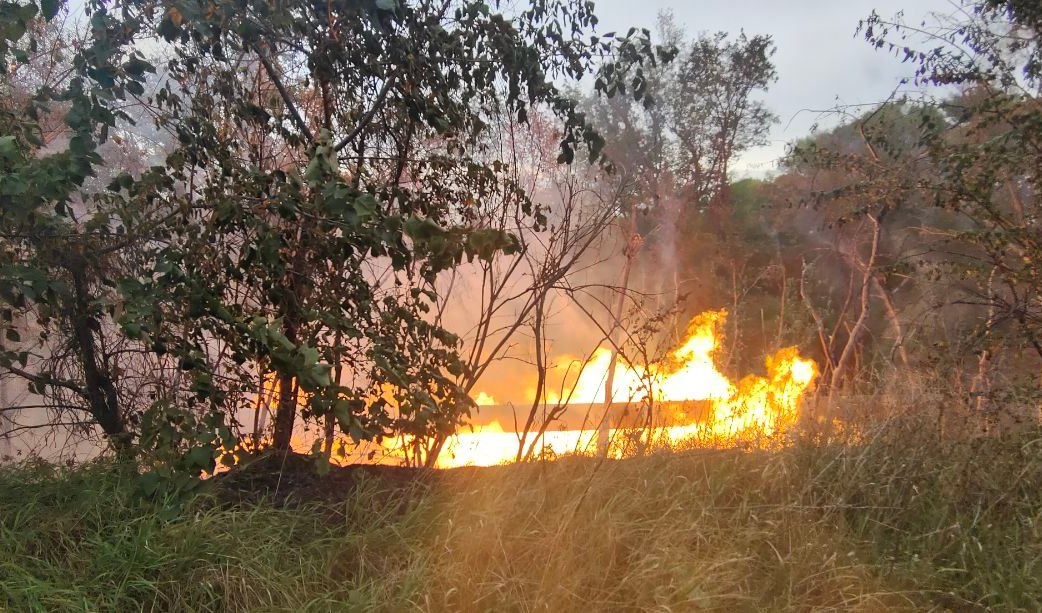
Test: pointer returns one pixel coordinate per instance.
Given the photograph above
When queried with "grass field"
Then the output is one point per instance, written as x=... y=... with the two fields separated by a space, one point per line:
x=897 y=520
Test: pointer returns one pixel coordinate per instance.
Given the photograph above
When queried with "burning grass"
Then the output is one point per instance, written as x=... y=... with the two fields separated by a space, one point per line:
x=898 y=520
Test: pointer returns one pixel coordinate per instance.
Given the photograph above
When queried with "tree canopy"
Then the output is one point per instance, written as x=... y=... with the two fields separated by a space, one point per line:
x=324 y=163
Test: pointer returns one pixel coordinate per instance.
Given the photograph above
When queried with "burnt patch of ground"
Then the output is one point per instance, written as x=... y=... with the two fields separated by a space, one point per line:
x=293 y=479
x=287 y=479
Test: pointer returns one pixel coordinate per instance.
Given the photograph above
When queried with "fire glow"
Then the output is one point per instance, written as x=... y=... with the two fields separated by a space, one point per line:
x=755 y=408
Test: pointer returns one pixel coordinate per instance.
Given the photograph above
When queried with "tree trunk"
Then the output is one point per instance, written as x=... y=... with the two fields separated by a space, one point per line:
x=895 y=321
x=286 y=409
x=99 y=388
x=540 y=385
x=285 y=413
x=847 y=355
x=826 y=346
x=981 y=383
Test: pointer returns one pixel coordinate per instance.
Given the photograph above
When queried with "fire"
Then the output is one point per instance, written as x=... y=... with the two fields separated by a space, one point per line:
x=690 y=373
x=483 y=399
x=754 y=408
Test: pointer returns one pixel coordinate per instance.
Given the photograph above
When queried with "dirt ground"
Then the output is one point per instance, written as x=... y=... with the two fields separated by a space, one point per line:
x=298 y=479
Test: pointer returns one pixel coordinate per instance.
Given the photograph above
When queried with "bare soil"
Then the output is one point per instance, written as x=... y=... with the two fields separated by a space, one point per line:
x=293 y=479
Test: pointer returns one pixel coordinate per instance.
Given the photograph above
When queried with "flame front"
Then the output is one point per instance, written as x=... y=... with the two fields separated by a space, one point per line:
x=756 y=408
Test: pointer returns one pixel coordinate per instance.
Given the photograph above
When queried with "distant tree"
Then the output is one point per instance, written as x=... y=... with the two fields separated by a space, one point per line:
x=677 y=155
x=700 y=113
x=864 y=180
x=957 y=263
x=713 y=112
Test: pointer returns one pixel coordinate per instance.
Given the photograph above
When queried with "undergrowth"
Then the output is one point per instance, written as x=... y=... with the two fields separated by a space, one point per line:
x=897 y=520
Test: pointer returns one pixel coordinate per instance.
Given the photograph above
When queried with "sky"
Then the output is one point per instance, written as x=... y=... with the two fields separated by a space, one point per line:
x=821 y=64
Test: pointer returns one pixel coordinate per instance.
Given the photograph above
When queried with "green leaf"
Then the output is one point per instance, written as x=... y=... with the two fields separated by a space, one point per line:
x=366 y=207
x=50 y=8
x=8 y=147
x=150 y=483
x=202 y=457
x=136 y=88
x=137 y=67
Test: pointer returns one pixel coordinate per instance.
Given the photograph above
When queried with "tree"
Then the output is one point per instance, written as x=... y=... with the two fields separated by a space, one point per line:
x=864 y=179
x=713 y=113
x=986 y=161
x=54 y=253
x=327 y=163
x=678 y=151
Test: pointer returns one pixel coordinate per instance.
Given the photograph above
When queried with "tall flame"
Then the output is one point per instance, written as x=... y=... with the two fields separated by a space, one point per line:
x=755 y=408
x=689 y=373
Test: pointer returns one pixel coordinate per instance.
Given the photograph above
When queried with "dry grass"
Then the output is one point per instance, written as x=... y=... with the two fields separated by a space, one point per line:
x=898 y=520
x=669 y=532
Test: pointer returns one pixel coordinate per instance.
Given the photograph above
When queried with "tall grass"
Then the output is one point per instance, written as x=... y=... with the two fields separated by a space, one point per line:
x=895 y=520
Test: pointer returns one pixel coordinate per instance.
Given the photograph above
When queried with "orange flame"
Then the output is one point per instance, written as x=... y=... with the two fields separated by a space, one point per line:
x=754 y=408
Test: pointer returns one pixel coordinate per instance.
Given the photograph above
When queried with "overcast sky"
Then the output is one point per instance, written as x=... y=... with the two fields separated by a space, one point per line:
x=820 y=62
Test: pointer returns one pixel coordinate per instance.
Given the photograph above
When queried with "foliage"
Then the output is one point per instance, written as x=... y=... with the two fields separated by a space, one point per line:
x=676 y=157
x=55 y=256
x=866 y=179
x=706 y=114
x=983 y=161
x=712 y=111
x=926 y=207
x=323 y=173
